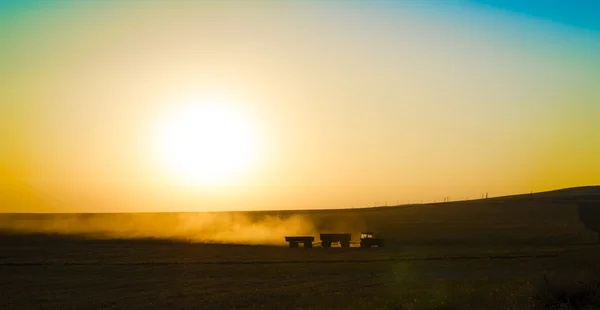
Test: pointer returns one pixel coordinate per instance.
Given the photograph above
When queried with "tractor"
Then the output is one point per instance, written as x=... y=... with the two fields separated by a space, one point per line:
x=367 y=240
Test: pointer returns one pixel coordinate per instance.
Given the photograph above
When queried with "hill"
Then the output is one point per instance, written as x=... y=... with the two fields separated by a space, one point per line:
x=548 y=218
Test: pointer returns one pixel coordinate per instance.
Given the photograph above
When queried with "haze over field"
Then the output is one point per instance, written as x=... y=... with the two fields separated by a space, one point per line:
x=236 y=228
x=568 y=216
x=121 y=106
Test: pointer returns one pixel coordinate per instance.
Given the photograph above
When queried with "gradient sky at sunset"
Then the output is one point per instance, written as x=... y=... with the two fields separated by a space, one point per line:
x=352 y=103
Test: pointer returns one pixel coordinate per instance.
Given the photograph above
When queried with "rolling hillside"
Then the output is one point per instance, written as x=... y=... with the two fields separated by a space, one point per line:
x=539 y=218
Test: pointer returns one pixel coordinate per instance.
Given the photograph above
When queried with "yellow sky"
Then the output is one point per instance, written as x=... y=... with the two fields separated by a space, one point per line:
x=350 y=105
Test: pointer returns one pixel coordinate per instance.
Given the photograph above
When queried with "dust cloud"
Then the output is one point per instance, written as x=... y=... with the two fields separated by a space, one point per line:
x=234 y=228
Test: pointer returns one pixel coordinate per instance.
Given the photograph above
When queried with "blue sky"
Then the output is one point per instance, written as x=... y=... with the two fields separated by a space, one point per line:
x=575 y=13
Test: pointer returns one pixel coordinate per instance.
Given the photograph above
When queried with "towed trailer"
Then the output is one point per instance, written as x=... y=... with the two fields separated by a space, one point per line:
x=342 y=239
x=294 y=241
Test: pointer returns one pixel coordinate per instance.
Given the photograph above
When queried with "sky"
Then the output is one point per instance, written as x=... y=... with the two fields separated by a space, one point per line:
x=313 y=104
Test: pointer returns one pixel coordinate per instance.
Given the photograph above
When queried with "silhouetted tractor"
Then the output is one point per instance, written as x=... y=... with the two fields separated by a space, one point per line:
x=367 y=240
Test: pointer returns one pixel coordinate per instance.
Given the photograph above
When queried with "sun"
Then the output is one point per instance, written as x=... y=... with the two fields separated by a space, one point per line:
x=207 y=142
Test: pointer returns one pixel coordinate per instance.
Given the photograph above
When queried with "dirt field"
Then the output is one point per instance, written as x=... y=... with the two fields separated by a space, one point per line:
x=463 y=255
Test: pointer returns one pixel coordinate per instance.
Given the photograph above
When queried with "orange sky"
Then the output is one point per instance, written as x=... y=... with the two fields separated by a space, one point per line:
x=344 y=105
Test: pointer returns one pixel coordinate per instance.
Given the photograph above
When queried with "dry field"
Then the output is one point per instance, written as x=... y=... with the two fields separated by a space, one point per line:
x=491 y=254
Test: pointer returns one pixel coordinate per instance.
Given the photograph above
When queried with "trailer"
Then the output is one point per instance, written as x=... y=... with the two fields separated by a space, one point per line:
x=342 y=239
x=294 y=241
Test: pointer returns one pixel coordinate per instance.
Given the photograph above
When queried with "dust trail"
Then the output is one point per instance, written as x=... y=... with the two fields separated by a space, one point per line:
x=234 y=227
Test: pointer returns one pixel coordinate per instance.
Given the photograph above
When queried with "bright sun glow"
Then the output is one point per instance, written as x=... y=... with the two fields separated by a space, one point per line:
x=207 y=142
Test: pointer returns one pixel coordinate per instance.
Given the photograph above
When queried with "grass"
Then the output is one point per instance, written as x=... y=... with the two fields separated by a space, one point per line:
x=142 y=274
x=569 y=291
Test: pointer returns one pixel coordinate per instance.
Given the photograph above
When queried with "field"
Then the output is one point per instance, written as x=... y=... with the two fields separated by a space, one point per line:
x=494 y=253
